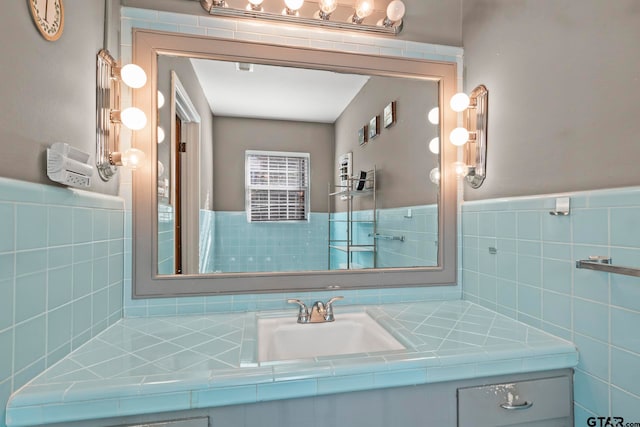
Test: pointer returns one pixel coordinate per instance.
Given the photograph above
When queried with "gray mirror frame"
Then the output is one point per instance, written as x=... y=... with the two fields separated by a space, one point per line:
x=147 y=45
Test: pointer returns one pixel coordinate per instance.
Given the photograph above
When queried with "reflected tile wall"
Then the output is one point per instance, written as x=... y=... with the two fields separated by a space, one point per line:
x=61 y=275
x=533 y=278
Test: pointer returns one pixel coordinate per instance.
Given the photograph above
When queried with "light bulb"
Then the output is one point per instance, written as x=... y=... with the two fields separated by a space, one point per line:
x=434 y=175
x=160 y=135
x=461 y=168
x=363 y=8
x=254 y=5
x=395 y=10
x=133 y=158
x=434 y=116
x=327 y=6
x=459 y=102
x=133 y=118
x=255 y=2
x=459 y=136
x=133 y=76
x=160 y=169
x=434 y=145
x=160 y=100
x=293 y=5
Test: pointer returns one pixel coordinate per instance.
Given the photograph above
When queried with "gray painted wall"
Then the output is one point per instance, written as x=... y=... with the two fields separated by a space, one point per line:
x=564 y=83
x=48 y=88
x=233 y=136
x=188 y=78
x=427 y=21
x=400 y=153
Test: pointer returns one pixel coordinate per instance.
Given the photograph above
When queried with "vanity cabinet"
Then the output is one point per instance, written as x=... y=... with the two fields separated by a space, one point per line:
x=464 y=403
x=543 y=402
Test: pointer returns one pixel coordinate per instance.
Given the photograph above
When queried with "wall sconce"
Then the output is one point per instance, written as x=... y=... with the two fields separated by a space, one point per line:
x=362 y=16
x=473 y=136
x=110 y=117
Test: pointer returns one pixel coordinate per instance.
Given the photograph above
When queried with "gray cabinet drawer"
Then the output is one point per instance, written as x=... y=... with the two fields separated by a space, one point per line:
x=544 y=402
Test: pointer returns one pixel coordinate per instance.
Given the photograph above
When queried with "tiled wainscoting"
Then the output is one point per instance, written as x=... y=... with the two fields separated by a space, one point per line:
x=532 y=277
x=61 y=275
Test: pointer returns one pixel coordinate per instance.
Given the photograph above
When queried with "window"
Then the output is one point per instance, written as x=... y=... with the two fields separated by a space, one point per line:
x=277 y=186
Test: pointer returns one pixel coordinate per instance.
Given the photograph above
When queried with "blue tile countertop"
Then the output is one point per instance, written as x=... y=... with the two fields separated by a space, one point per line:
x=148 y=365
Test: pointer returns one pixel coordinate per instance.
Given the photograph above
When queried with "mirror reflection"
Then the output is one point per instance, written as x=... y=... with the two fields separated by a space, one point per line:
x=265 y=168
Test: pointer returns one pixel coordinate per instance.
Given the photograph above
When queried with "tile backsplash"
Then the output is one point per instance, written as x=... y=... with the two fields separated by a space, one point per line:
x=532 y=277
x=61 y=275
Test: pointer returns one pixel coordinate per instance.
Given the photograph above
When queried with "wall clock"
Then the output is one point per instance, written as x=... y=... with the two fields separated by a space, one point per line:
x=48 y=16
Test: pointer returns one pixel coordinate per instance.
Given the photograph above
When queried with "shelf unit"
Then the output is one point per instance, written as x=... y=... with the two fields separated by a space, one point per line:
x=347 y=192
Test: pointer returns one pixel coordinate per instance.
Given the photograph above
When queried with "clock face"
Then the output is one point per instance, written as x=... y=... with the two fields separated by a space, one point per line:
x=48 y=16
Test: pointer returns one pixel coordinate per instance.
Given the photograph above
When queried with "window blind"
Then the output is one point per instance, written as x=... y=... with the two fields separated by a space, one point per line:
x=277 y=186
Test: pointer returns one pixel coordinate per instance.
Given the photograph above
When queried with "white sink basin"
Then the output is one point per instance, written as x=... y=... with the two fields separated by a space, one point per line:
x=282 y=338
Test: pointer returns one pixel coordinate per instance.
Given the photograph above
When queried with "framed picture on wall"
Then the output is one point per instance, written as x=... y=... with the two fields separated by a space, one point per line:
x=374 y=127
x=389 y=116
x=363 y=135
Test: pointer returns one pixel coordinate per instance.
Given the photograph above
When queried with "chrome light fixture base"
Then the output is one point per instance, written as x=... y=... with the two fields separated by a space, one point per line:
x=107 y=132
x=476 y=149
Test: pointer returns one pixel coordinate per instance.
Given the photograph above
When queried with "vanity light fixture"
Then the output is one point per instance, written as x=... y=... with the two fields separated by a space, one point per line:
x=361 y=15
x=473 y=135
x=110 y=117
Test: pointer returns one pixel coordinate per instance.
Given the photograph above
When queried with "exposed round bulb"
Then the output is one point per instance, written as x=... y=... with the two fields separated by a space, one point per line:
x=256 y=2
x=328 y=6
x=160 y=135
x=133 y=158
x=434 y=116
x=434 y=176
x=364 y=8
x=294 y=5
x=160 y=100
x=459 y=102
x=460 y=168
x=434 y=145
x=459 y=136
x=160 y=169
x=395 y=10
x=133 y=76
x=133 y=118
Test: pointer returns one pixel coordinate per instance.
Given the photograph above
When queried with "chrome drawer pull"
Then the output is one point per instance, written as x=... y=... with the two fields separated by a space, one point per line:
x=510 y=407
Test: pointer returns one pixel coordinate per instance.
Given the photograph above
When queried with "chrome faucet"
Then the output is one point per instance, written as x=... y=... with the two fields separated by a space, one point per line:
x=320 y=312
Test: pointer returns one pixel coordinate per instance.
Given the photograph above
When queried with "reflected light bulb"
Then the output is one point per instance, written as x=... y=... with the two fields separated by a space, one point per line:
x=328 y=6
x=459 y=136
x=434 y=116
x=133 y=158
x=133 y=118
x=293 y=5
x=364 y=8
x=434 y=145
x=255 y=2
x=160 y=169
x=434 y=175
x=160 y=100
x=160 y=135
x=461 y=168
x=395 y=10
x=459 y=102
x=133 y=76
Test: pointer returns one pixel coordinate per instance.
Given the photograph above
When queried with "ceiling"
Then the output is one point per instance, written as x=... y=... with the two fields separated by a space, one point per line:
x=276 y=93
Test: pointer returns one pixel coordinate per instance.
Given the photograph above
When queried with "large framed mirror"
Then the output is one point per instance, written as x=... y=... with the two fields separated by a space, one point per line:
x=280 y=168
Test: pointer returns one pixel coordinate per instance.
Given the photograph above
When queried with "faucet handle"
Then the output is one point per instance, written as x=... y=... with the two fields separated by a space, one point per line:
x=329 y=309
x=303 y=313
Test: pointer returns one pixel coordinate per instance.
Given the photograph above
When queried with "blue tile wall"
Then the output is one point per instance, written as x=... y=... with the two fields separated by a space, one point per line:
x=166 y=241
x=61 y=275
x=244 y=246
x=533 y=278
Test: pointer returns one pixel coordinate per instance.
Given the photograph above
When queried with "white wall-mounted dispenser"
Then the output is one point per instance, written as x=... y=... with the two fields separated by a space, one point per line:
x=68 y=165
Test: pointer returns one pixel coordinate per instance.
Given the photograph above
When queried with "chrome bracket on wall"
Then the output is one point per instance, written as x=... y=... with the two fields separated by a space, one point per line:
x=475 y=154
x=107 y=97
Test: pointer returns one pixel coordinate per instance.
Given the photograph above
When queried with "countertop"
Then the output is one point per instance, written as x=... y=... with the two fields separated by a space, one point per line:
x=156 y=364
